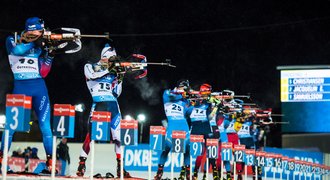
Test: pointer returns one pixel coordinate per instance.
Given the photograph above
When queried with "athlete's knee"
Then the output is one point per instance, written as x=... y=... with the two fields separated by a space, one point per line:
x=117 y=142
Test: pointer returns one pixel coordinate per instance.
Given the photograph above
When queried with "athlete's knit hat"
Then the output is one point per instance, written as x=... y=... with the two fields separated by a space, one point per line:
x=34 y=23
x=108 y=52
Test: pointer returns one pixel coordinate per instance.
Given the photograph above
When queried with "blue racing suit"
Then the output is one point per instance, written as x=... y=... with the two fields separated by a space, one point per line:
x=176 y=111
x=245 y=134
x=223 y=123
x=30 y=64
x=200 y=124
x=203 y=124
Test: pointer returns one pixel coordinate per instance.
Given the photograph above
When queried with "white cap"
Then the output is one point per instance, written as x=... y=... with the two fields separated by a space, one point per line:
x=108 y=52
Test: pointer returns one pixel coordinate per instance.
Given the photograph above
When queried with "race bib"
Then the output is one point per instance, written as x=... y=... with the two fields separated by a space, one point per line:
x=24 y=67
x=222 y=127
x=230 y=128
x=101 y=91
x=198 y=114
x=244 y=131
x=174 y=110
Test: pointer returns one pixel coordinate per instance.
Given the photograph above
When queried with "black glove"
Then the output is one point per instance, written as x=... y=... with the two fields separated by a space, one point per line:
x=40 y=42
x=51 y=47
x=116 y=69
x=226 y=109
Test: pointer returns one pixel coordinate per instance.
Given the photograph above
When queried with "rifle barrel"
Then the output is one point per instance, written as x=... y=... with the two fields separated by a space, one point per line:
x=161 y=64
x=277 y=114
x=282 y=122
x=246 y=96
x=94 y=36
x=248 y=104
x=275 y=123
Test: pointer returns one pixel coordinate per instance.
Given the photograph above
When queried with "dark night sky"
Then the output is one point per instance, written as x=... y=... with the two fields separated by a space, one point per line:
x=229 y=44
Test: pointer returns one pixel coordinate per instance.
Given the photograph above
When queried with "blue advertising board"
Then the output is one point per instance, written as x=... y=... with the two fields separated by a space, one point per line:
x=313 y=157
x=137 y=159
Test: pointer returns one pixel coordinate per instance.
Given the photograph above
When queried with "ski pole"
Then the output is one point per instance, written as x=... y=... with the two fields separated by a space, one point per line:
x=191 y=167
x=172 y=165
x=5 y=156
x=92 y=144
x=207 y=168
x=53 y=158
x=149 y=165
x=122 y=163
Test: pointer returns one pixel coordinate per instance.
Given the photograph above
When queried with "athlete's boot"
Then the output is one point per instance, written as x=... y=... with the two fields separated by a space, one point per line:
x=219 y=172
x=48 y=169
x=239 y=175
x=82 y=166
x=126 y=174
x=1 y=157
x=229 y=175
x=204 y=175
x=259 y=170
x=182 y=173
x=187 y=172
x=216 y=174
x=195 y=175
x=254 y=177
x=160 y=172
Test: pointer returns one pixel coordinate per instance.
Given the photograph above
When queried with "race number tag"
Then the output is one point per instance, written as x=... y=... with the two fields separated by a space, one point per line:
x=230 y=128
x=278 y=161
x=196 y=144
x=260 y=158
x=319 y=169
x=316 y=169
x=305 y=166
x=285 y=160
x=129 y=132
x=291 y=164
x=157 y=138
x=63 y=123
x=18 y=112
x=302 y=166
x=24 y=67
x=239 y=153
x=101 y=126
x=173 y=109
x=250 y=157
x=270 y=160
x=313 y=168
x=323 y=169
x=226 y=151
x=178 y=141
x=212 y=147
x=297 y=166
x=308 y=167
x=198 y=113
